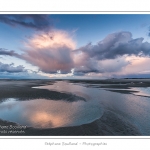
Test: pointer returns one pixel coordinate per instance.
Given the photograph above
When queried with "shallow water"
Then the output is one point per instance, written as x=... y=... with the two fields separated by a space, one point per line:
x=139 y=91
x=43 y=113
x=142 y=91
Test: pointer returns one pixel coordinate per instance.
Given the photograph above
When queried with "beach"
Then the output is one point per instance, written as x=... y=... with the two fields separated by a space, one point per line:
x=109 y=122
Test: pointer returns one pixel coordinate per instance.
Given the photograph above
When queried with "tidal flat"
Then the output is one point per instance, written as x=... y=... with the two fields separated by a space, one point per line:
x=75 y=107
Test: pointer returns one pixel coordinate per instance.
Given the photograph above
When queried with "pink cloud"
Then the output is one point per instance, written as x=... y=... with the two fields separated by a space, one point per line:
x=50 y=51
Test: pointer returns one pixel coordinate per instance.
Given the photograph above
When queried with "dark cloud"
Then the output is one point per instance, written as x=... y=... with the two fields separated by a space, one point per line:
x=36 y=21
x=7 y=52
x=108 y=55
x=11 y=69
x=115 y=45
x=101 y=66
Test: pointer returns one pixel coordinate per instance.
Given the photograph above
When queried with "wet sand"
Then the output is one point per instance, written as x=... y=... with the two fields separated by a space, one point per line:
x=109 y=124
x=22 y=90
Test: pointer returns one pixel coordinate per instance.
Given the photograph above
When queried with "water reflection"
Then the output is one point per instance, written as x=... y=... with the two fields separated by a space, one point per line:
x=64 y=86
x=139 y=91
x=42 y=113
x=142 y=91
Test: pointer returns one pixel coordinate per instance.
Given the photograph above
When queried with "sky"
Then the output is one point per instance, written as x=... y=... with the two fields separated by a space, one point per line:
x=74 y=46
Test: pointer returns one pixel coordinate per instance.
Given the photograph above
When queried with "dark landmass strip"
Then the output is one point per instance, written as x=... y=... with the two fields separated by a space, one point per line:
x=109 y=124
x=22 y=90
x=111 y=83
x=122 y=91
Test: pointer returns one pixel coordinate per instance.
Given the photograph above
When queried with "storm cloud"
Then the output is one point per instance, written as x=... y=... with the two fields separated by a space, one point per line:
x=36 y=21
x=115 y=45
x=109 y=54
x=10 y=68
